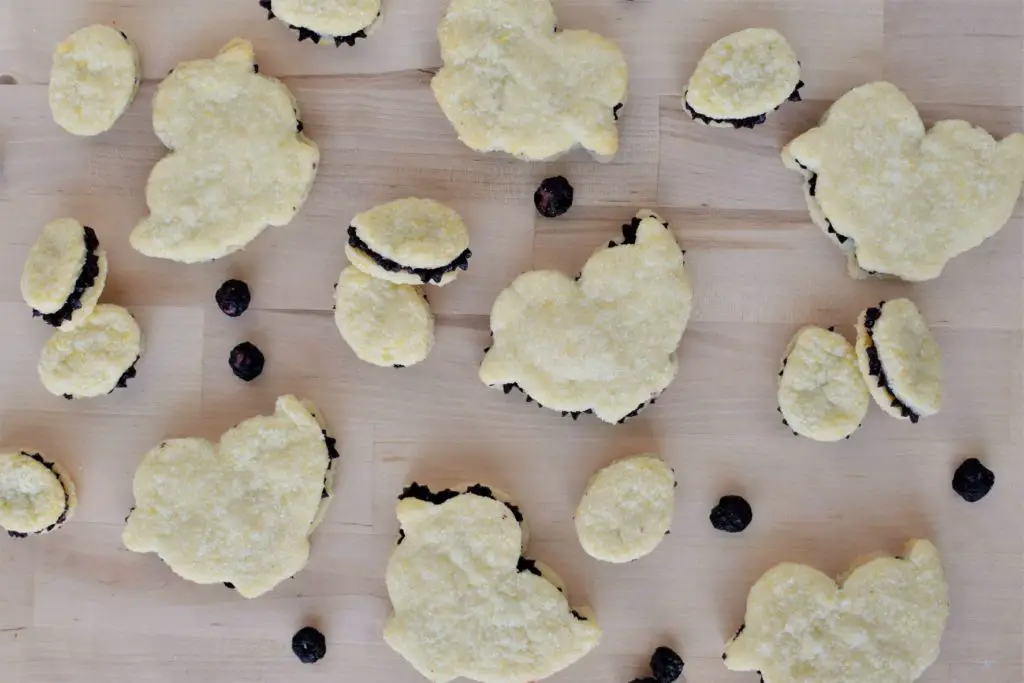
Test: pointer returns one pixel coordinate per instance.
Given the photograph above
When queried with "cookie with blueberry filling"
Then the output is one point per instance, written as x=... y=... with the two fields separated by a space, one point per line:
x=36 y=496
x=64 y=274
x=742 y=78
x=240 y=511
x=410 y=241
x=513 y=82
x=93 y=80
x=627 y=508
x=238 y=159
x=94 y=358
x=822 y=394
x=604 y=342
x=903 y=200
x=327 y=22
x=881 y=621
x=383 y=323
x=468 y=603
x=900 y=360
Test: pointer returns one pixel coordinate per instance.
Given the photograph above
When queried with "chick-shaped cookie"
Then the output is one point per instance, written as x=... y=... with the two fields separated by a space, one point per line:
x=468 y=603
x=822 y=394
x=64 y=274
x=604 y=342
x=512 y=82
x=409 y=241
x=742 y=78
x=881 y=623
x=239 y=511
x=341 y=22
x=899 y=199
x=900 y=360
x=36 y=496
x=238 y=162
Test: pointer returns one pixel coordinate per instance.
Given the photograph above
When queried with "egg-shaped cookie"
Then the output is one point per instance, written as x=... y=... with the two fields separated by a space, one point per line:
x=36 y=495
x=64 y=274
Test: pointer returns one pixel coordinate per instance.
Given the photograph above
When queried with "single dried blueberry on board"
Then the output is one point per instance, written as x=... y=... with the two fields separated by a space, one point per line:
x=553 y=197
x=309 y=645
x=732 y=514
x=233 y=298
x=246 y=361
x=666 y=665
x=972 y=481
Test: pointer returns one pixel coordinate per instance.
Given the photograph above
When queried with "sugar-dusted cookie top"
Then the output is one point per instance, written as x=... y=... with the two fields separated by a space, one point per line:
x=604 y=342
x=341 y=22
x=36 y=496
x=902 y=199
x=468 y=603
x=513 y=83
x=882 y=622
x=238 y=162
x=239 y=511
x=822 y=394
x=742 y=78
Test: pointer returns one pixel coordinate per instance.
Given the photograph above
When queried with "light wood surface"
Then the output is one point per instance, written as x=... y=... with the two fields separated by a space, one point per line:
x=76 y=606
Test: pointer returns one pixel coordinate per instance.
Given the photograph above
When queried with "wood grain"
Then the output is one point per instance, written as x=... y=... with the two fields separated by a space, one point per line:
x=76 y=606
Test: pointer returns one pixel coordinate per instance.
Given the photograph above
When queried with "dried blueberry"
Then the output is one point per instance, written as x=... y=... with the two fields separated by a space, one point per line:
x=972 y=480
x=666 y=665
x=732 y=514
x=553 y=197
x=309 y=645
x=246 y=361
x=233 y=298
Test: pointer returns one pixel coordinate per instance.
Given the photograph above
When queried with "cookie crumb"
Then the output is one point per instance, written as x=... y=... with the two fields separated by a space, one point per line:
x=309 y=645
x=246 y=361
x=972 y=480
x=732 y=514
x=233 y=298
x=666 y=665
x=554 y=197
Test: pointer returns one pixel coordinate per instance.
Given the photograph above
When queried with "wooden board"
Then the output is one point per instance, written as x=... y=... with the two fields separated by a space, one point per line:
x=76 y=606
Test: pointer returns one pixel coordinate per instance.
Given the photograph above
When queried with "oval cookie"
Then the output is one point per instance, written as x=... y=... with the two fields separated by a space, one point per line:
x=36 y=496
x=337 y=22
x=64 y=274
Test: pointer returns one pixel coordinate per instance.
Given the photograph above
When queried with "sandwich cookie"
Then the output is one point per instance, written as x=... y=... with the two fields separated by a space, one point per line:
x=36 y=496
x=337 y=22
x=64 y=274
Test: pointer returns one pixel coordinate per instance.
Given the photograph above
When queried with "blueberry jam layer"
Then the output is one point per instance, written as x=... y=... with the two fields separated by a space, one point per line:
x=315 y=37
x=461 y=262
x=67 y=500
x=746 y=122
x=86 y=279
x=875 y=368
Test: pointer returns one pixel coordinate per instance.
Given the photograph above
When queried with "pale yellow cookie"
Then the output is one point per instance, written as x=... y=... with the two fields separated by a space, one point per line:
x=64 y=274
x=900 y=199
x=900 y=360
x=604 y=343
x=383 y=323
x=822 y=394
x=627 y=508
x=36 y=496
x=334 y=22
x=512 y=83
x=238 y=161
x=409 y=241
x=468 y=603
x=93 y=81
x=742 y=78
x=93 y=358
x=882 y=623
x=240 y=511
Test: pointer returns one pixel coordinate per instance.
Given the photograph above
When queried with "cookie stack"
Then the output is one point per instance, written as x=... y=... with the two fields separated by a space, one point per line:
x=96 y=346
x=394 y=249
x=825 y=382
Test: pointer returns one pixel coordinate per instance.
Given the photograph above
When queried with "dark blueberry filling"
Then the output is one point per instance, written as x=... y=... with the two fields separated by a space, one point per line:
x=130 y=373
x=507 y=388
x=307 y=34
x=875 y=368
x=421 y=492
x=246 y=361
x=332 y=455
x=616 y=109
x=732 y=514
x=67 y=500
x=309 y=645
x=525 y=565
x=86 y=279
x=461 y=262
x=972 y=480
x=228 y=584
x=812 y=188
x=749 y=121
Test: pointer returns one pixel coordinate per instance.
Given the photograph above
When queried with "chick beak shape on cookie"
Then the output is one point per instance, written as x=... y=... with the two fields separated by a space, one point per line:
x=512 y=83
x=337 y=22
x=468 y=603
x=902 y=199
x=605 y=342
x=883 y=621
